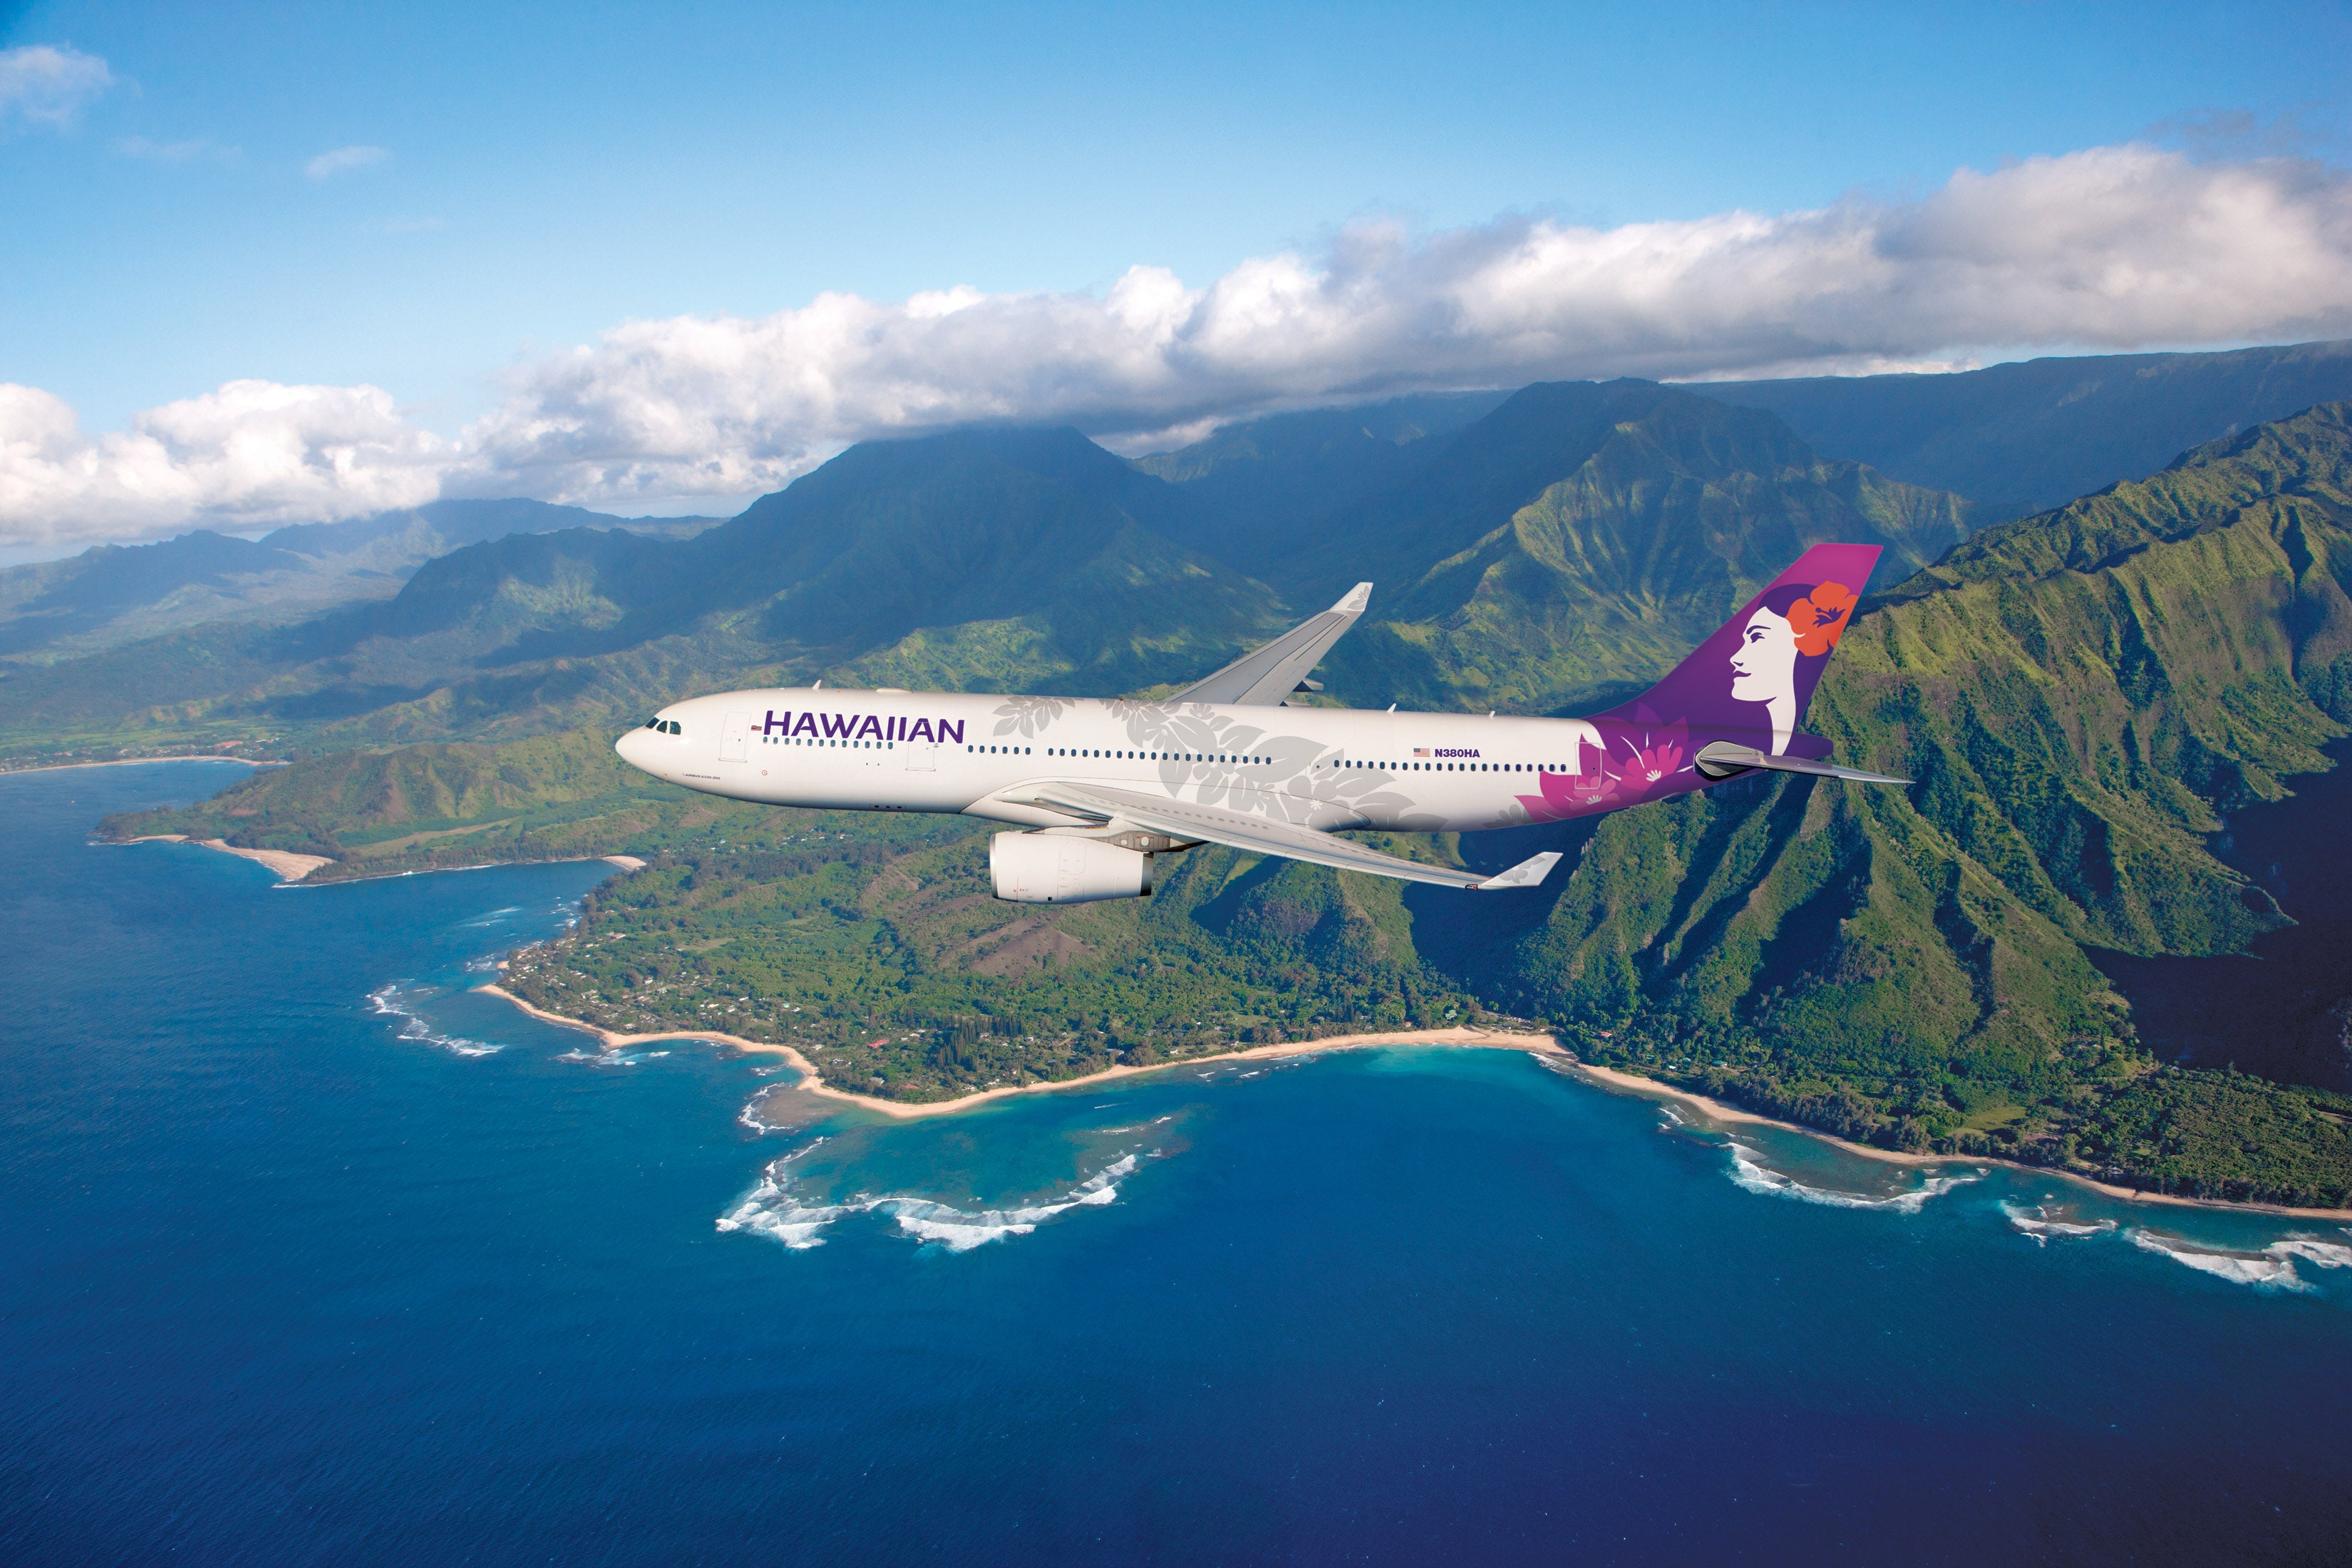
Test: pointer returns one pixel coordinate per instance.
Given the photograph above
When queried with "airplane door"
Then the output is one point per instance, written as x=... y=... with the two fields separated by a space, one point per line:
x=922 y=756
x=735 y=738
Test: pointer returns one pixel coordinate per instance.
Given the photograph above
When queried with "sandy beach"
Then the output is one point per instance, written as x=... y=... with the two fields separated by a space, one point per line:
x=1716 y=1111
x=1711 y=1109
x=141 y=762
x=814 y=1081
x=293 y=868
x=289 y=867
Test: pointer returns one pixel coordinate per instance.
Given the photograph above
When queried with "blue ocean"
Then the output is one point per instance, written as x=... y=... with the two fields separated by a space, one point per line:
x=310 y=1253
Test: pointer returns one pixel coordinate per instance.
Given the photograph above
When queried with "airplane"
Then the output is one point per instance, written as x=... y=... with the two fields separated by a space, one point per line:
x=1098 y=788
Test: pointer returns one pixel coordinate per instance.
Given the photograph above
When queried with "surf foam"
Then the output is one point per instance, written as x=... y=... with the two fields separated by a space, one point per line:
x=2326 y=1253
x=2035 y=1222
x=1752 y=1176
x=772 y=1210
x=386 y=1002
x=2272 y=1268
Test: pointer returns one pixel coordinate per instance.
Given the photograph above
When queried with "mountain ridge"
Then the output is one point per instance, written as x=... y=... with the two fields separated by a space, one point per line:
x=2081 y=697
x=2030 y=436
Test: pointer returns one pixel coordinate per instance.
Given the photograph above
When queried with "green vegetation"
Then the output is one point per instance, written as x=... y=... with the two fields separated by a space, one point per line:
x=1001 y=559
x=890 y=966
x=420 y=808
x=2081 y=697
x=2034 y=434
x=1656 y=514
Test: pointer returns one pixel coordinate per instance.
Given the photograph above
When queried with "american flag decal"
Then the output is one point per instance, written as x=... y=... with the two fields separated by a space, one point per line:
x=1421 y=751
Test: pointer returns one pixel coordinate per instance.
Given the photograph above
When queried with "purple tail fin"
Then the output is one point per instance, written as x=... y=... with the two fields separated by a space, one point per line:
x=1759 y=669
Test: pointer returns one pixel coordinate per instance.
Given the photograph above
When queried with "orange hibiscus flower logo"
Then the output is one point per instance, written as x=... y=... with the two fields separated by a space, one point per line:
x=1819 y=619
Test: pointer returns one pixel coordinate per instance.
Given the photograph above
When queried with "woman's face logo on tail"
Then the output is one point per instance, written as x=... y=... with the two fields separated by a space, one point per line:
x=1764 y=664
x=1806 y=625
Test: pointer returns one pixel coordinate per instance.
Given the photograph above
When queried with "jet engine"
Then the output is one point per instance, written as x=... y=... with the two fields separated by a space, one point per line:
x=1059 y=869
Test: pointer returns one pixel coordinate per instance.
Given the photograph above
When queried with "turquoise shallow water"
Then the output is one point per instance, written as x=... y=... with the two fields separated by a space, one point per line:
x=309 y=1255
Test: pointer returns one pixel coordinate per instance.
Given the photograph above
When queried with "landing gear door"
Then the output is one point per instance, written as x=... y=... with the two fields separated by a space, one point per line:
x=735 y=738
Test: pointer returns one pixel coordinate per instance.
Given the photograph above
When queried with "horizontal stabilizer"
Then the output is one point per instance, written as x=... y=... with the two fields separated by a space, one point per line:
x=1264 y=676
x=1721 y=759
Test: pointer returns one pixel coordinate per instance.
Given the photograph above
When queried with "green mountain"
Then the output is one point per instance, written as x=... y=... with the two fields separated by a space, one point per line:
x=110 y=594
x=2017 y=438
x=2084 y=699
x=1004 y=558
x=195 y=575
x=1477 y=514
x=1574 y=543
x=1255 y=483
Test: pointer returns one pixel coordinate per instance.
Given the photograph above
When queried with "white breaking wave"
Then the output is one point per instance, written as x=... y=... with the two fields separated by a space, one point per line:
x=771 y=1209
x=384 y=1000
x=961 y=1232
x=1753 y=1177
x=605 y=1058
x=2272 y=1268
x=2326 y=1253
x=2035 y=1223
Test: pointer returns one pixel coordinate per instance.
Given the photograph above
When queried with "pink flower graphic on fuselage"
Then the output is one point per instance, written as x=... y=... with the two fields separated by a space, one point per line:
x=1571 y=794
x=1651 y=766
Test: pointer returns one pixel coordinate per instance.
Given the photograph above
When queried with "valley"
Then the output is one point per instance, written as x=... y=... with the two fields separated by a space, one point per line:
x=2084 y=698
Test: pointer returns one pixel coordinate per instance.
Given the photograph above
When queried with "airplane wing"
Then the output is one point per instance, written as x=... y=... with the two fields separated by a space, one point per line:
x=1188 y=820
x=1263 y=678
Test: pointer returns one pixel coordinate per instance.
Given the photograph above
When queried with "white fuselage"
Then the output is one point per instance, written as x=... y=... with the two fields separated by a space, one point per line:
x=983 y=755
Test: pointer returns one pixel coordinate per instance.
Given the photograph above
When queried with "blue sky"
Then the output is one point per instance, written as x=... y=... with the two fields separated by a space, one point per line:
x=546 y=174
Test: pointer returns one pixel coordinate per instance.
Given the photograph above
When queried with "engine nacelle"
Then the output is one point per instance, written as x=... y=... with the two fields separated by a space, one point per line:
x=1056 y=868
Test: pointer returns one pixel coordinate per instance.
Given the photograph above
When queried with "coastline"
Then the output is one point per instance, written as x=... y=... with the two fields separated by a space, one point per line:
x=1716 y=1111
x=289 y=867
x=1543 y=1046
x=905 y=1110
x=141 y=762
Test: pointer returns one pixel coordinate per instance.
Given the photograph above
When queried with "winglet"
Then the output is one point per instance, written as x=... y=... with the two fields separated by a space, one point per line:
x=1264 y=676
x=1528 y=873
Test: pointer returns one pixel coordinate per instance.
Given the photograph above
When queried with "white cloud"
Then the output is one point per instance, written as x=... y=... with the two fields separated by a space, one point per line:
x=49 y=85
x=2111 y=248
x=252 y=452
x=342 y=161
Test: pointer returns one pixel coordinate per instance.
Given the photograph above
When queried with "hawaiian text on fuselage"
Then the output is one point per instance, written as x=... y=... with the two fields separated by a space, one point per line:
x=861 y=726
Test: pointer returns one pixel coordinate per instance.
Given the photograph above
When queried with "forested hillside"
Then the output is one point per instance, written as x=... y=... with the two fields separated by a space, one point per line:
x=2022 y=437
x=110 y=594
x=1564 y=543
x=2081 y=699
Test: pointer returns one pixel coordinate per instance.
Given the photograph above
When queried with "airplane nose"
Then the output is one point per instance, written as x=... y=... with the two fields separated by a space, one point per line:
x=630 y=744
